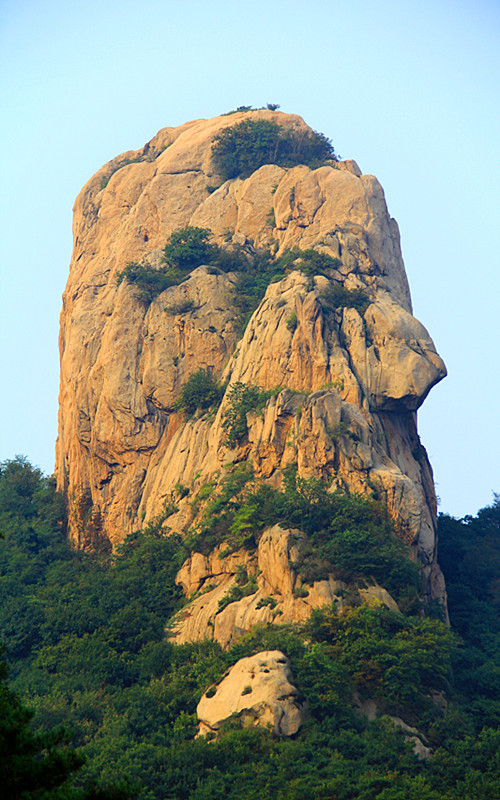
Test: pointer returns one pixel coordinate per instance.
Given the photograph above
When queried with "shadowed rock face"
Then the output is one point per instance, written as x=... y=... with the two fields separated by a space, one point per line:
x=259 y=689
x=357 y=379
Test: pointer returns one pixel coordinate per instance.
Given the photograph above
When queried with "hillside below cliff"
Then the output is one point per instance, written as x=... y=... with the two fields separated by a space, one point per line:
x=236 y=590
x=299 y=314
x=370 y=702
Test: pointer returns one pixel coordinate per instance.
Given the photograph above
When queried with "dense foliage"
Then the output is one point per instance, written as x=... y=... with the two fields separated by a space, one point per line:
x=264 y=268
x=242 y=399
x=243 y=148
x=188 y=248
x=147 y=281
x=337 y=296
x=200 y=392
x=350 y=535
x=86 y=649
x=470 y=558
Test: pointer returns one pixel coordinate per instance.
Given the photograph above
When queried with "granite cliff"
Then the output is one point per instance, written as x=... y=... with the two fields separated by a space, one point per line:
x=346 y=382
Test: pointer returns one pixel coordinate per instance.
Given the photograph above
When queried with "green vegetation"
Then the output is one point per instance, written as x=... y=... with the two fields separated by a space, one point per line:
x=242 y=149
x=190 y=247
x=186 y=249
x=350 y=536
x=291 y=322
x=242 y=398
x=218 y=513
x=243 y=587
x=200 y=392
x=86 y=649
x=41 y=766
x=264 y=268
x=147 y=281
x=269 y=106
x=182 y=307
x=470 y=559
x=337 y=296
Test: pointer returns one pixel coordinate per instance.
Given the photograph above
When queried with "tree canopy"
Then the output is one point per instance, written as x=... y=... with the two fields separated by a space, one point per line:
x=86 y=651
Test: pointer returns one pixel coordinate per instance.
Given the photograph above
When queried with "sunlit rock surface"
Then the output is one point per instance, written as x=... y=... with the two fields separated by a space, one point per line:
x=357 y=380
x=259 y=689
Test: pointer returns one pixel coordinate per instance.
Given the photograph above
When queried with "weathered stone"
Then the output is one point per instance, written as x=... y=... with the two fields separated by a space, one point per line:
x=280 y=596
x=122 y=449
x=260 y=691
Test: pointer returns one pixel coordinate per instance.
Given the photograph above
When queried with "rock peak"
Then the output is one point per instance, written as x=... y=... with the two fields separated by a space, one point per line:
x=345 y=375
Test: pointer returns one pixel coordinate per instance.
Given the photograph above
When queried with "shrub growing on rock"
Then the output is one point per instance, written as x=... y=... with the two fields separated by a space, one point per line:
x=242 y=399
x=188 y=248
x=243 y=148
x=337 y=296
x=147 y=281
x=201 y=391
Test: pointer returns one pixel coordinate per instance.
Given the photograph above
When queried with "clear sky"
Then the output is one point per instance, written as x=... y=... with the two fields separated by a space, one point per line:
x=408 y=89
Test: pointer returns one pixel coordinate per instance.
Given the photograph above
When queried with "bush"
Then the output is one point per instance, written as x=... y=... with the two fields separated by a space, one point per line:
x=189 y=248
x=243 y=587
x=350 y=536
x=182 y=307
x=337 y=296
x=102 y=668
x=291 y=322
x=201 y=391
x=242 y=399
x=264 y=269
x=186 y=249
x=354 y=534
x=219 y=512
x=314 y=262
x=242 y=149
x=147 y=281
x=389 y=655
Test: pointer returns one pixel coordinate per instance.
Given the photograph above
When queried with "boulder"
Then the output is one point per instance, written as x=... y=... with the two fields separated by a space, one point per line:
x=260 y=691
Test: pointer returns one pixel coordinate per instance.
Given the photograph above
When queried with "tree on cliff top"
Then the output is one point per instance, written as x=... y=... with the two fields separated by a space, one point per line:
x=243 y=148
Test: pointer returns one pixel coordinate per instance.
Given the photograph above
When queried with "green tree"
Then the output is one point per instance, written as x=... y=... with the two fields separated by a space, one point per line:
x=242 y=398
x=40 y=766
x=201 y=391
x=147 y=281
x=243 y=148
x=188 y=248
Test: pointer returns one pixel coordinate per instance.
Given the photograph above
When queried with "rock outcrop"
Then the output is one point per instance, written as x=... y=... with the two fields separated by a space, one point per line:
x=350 y=383
x=270 y=580
x=259 y=690
x=369 y=709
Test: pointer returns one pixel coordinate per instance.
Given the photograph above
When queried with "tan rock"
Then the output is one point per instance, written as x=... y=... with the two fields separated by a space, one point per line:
x=279 y=597
x=121 y=450
x=392 y=356
x=260 y=690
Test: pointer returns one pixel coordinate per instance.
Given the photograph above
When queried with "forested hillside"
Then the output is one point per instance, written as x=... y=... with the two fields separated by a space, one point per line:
x=86 y=650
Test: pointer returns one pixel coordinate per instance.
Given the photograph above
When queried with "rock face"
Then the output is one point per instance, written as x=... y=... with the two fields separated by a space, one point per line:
x=350 y=382
x=259 y=690
x=274 y=591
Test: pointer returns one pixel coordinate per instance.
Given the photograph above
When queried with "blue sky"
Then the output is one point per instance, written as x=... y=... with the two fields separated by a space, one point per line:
x=409 y=90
